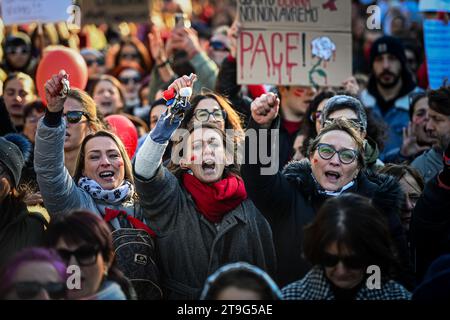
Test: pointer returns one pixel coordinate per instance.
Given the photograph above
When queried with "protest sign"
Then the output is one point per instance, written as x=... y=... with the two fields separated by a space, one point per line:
x=332 y=15
x=42 y=11
x=434 y=5
x=294 y=42
x=115 y=11
x=288 y=57
x=437 y=41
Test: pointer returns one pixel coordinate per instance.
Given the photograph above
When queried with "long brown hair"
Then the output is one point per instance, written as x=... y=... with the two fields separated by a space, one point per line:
x=233 y=119
x=102 y=133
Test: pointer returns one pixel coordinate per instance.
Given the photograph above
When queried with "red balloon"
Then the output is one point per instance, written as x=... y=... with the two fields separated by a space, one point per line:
x=58 y=58
x=122 y=127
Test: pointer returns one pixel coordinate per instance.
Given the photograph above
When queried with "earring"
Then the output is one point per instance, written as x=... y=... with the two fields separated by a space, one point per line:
x=105 y=273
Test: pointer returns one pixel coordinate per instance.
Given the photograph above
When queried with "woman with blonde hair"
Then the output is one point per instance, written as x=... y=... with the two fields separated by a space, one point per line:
x=102 y=183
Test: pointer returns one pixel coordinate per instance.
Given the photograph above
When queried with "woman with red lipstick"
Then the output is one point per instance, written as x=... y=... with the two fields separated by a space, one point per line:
x=199 y=206
x=289 y=199
x=102 y=182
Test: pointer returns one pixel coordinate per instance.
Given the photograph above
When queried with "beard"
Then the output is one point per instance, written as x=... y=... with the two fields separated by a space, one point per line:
x=390 y=84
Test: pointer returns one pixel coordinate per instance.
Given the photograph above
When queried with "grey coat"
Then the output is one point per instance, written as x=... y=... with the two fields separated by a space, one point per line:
x=190 y=247
x=429 y=164
x=59 y=191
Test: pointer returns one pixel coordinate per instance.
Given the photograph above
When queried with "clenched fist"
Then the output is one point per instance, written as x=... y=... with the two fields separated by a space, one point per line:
x=265 y=109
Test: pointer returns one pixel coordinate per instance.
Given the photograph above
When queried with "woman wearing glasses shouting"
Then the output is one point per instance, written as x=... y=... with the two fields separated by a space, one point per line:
x=291 y=198
x=348 y=239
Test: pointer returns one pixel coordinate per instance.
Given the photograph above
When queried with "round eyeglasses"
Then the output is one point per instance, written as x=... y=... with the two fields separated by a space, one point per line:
x=326 y=152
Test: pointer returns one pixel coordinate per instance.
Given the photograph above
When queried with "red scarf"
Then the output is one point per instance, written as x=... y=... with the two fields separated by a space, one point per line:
x=111 y=214
x=217 y=199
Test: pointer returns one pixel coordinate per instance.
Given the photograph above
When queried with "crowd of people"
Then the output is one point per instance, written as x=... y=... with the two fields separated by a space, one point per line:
x=357 y=208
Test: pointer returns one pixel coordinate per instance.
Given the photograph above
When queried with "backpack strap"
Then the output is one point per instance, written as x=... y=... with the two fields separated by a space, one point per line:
x=38 y=216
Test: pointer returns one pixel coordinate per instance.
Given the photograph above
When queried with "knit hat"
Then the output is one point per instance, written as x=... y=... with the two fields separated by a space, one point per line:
x=340 y=102
x=388 y=44
x=436 y=283
x=14 y=152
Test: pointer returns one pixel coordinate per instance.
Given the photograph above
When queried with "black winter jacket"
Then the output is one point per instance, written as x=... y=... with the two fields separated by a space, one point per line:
x=289 y=200
x=430 y=226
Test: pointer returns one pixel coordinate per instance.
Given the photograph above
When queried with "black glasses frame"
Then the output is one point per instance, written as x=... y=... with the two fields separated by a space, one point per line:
x=351 y=262
x=75 y=116
x=85 y=255
x=354 y=153
x=224 y=114
x=29 y=289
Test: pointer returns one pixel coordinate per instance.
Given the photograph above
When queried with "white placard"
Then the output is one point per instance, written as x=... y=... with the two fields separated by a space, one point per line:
x=27 y=11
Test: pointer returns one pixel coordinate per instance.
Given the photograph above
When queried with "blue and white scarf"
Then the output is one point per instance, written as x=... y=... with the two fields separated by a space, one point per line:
x=110 y=196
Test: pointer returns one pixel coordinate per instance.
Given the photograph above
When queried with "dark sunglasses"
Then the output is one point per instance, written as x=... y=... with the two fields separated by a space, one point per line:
x=75 y=116
x=85 y=255
x=17 y=50
x=351 y=262
x=127 y=80
x=129 y=55
x=218 y=46
x=346 y=156
x=315 y=116
x=203 y=115
x=30 y=289
x=99 y=61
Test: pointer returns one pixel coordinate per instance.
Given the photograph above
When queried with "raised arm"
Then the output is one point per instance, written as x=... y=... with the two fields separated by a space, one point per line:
x=266 y=186
x=58 y=189
x=159 y=190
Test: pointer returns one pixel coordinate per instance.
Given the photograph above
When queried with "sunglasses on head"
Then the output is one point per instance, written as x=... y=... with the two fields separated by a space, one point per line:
x=127 y=80
x=85 y=255
x=326 y=152
x=75 y=116
x=17 y=50
x=351 y=262
x=30 y=289
x=99 y=61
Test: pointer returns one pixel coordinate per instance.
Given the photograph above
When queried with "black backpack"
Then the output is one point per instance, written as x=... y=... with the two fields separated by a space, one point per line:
x=136 y=256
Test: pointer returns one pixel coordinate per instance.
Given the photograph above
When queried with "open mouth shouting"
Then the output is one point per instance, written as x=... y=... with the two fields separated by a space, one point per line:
x=332 y=176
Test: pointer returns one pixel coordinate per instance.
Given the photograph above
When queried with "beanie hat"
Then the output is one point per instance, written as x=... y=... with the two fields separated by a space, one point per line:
x=436 y=283
x=388 y=44
x=340 y=102
x=14 y=152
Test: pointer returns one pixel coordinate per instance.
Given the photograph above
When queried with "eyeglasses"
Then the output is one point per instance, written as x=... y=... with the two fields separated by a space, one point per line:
x=218 y=46
x=127 y=80
x=351 y=262
x=85 y=255
x=203 y=115
x=129 y=56
x=315 y=116
x=99 y=61
x=346 y=156
x=30 y=289
x=75 y=116
x=17 y=50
